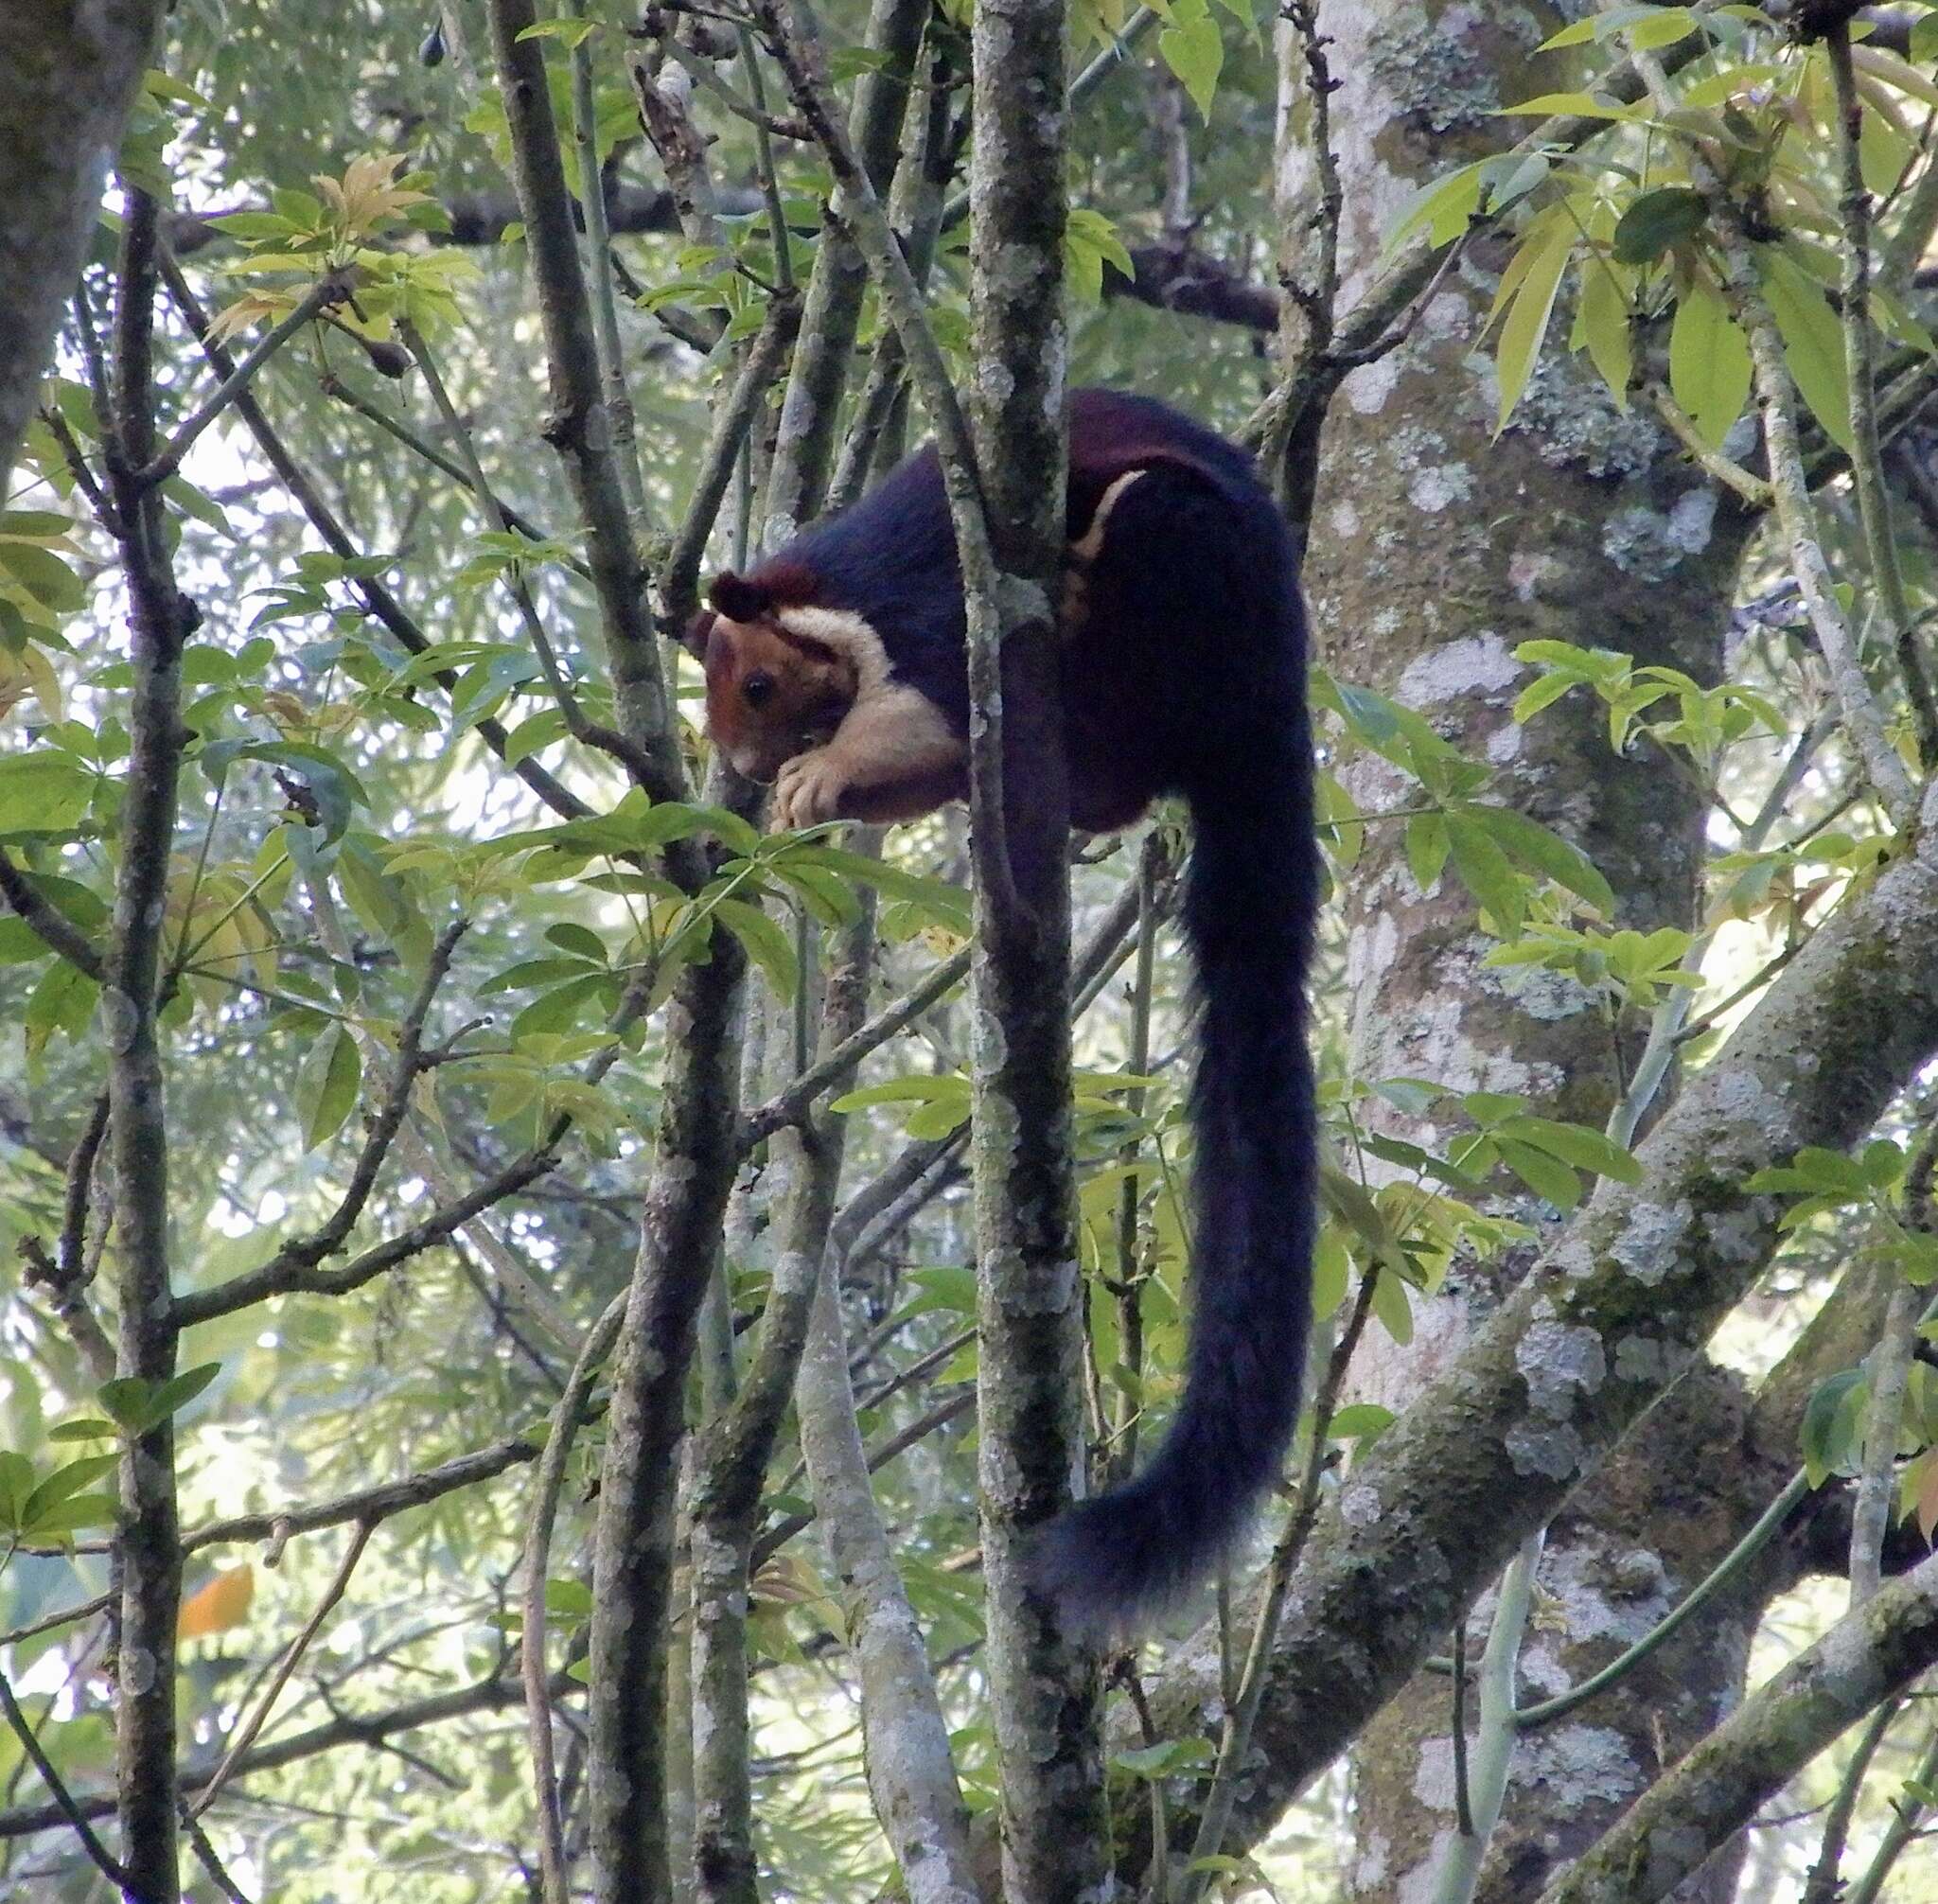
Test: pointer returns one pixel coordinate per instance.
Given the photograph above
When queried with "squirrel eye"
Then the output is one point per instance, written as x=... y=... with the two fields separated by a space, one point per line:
x=756 y=688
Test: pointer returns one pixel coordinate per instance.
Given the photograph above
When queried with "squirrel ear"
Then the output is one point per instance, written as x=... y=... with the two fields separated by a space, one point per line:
x=695 y=639
x=738 y=599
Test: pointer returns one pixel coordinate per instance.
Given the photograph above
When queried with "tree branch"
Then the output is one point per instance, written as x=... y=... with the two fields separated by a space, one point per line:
x=103 y=1859
x=1617 y=1309
x=580 y=423
x=46 y=924
x=1871 y=1654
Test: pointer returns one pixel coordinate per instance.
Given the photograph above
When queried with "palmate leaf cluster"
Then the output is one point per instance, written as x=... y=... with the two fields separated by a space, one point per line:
x=1625 y=222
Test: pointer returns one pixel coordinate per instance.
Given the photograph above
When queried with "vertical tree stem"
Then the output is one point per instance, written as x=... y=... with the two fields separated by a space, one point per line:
x=1860 y=355
x=147 y=1551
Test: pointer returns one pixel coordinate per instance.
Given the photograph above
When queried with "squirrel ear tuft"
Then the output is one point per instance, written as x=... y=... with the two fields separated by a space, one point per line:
x=738 y=599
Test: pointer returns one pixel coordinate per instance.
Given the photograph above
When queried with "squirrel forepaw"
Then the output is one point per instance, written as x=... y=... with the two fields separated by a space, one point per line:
x=808 y=790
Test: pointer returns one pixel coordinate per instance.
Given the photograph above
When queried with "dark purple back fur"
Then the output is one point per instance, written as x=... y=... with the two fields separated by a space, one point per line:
x=1188 y=676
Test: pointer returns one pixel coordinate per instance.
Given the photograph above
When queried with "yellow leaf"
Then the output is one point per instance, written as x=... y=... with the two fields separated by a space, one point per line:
x=29 y=673
x=1526 y=324
x=219 y=1605
x=1924 y=1493
x=251 y=307
x=366 y=197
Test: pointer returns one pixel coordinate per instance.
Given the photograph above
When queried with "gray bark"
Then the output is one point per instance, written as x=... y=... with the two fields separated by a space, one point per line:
x=1614 y=1312
x=1043 y=1687
x=68 y=74
x=1434 y=551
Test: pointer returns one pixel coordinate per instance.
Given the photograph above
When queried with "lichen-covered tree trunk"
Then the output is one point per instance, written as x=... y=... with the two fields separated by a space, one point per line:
x=1043 y=1686
x=1435 y=550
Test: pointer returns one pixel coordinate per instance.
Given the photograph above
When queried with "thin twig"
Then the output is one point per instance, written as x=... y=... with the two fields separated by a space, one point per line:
x=1752 y=490
x=1698 y=1596
x=1243 y=1715
x=63 y=1799
x=731 y=430
x=547 y=1485
x=331 y=288
x=245 y=1734
x=46 y=924
x=791 y=1104
x=1823 y=1885
x=1493 y=1756
x=1861 y=354
x=1888 y=1371
x=351 y=398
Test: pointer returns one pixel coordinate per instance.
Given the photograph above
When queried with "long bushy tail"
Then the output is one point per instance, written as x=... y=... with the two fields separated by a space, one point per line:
x=1250 y=896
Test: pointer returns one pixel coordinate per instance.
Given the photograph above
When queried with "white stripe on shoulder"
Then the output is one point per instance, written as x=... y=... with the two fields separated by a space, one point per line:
x=1089 y=545
x=848 y=634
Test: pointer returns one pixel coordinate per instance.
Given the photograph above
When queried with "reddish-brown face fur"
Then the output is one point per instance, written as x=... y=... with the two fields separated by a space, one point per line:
x=771 y=694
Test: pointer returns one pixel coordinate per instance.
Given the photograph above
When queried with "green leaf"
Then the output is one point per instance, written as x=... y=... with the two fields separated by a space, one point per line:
x=1163 y=1760
x=254 y=227
x=920 y=1087
x=1597 y=27
x=1526 y=322
x=1391 y=1306
x=1663 y=27
x=1547 y=853
x=1883 y=152
x=1427 y=846
x=331 y=1077
x=45 y=791
x=947 y=905
x=1882 y=1163
x=16 y=1485
x=1604 y=327
x=1828 y=1443
x=70 y=1516
x=180 y=1390
x=1577 y=1144
x=573 y=32
x=1090 y=242
x=331 y=783
x=1191 y=48
x=1814 y=1171
x=63 y=1483
x=1545 y=1176
x=1331 y=1264
x=1487 y=876
x=1359 y=1422
x=1487 y=1108
x=1669 y=216
x=579 y=939
x=1812 y=340
x=557 y=1011
x=1542 y=692
x=1709 y=362
x=950 y=1287
x=766 y=944
x=1442 y=208
x=126 y=1398
x=1577 y=105
x=63 y=1000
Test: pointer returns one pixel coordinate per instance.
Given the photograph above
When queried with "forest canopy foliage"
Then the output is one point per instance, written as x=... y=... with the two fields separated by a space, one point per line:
x=512 y=1256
